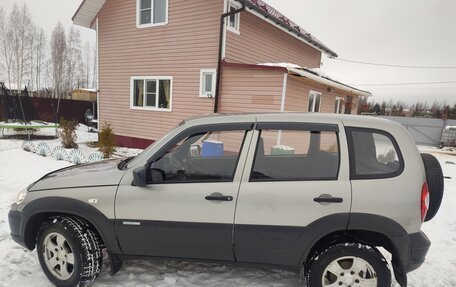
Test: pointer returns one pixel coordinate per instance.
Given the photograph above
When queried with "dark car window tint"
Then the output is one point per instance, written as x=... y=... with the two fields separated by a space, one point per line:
x=295 y=155
x=375 y=154
x=203 y=157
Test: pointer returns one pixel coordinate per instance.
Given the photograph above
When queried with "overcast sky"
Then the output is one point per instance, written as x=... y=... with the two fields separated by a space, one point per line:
x=405 y=32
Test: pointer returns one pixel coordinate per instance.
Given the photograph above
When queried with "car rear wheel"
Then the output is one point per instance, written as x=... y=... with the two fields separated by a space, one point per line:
x=349 y=264
x=435 y=182
x=69 y=252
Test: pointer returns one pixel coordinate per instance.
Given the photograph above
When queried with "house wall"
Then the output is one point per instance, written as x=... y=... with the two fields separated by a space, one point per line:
x=247 y=89
x=298 y=89
x=177 y=49
x=262 y=42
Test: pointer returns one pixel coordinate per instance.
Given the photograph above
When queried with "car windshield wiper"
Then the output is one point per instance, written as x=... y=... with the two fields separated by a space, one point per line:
x=123 y=164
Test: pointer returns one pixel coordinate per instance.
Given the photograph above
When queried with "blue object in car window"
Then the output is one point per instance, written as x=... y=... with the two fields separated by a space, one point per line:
x=212 y=148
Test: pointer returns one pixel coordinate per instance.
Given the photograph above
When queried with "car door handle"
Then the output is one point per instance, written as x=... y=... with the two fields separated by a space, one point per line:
x=217 y=196
x=326 y=198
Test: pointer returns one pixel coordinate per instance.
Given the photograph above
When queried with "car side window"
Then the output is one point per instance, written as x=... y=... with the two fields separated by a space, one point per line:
x=296 y=155
x=373 y=154
x=201 y=157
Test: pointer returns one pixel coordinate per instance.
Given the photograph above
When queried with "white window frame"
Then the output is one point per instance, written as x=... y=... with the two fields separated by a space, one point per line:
x=138 y=15
x=228 y=5
x=156 y=108
x=313 y=94
x=214 y=83
x=338 y=102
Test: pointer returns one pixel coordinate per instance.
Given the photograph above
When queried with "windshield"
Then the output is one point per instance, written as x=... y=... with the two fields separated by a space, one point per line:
x=132 y=161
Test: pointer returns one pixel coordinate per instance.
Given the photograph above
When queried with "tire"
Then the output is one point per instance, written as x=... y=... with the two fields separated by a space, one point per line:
x=371 y=268
x=69 y=252
x=435 y=182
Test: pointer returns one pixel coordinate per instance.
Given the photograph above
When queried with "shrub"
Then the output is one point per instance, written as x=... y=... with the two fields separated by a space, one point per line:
x=68 y=133
x=107 y=141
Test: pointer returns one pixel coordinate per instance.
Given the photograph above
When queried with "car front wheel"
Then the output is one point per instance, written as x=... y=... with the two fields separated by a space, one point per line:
x=349 y=264
x=69 y=252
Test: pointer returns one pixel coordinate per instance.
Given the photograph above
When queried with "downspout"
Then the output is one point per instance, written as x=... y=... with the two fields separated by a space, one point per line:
x=219 y=66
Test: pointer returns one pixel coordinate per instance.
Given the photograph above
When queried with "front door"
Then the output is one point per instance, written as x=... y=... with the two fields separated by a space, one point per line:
x=295 y=188
x=187 y=209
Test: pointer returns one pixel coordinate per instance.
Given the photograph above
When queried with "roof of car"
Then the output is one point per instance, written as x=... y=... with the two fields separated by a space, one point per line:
x=347 y=120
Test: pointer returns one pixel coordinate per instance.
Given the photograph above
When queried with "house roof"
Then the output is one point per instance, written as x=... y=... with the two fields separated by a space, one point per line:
x=319 y=76
x=270 y=13
x=88 y=10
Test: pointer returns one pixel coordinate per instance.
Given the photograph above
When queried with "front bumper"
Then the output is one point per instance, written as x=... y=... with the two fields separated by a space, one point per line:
x=17 y=226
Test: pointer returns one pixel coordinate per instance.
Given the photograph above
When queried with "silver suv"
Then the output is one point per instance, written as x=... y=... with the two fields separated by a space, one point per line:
x=313 y=193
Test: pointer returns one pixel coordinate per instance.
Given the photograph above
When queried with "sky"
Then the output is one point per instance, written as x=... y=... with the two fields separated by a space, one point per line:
x=405 y=32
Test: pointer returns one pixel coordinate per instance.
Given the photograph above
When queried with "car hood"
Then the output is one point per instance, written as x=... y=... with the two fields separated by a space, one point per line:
x=102 y=173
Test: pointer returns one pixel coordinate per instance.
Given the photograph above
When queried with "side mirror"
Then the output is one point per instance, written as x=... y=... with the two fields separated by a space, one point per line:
x=140 y=176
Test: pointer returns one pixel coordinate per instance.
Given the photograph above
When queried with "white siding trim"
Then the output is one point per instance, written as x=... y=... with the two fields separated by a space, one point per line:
x=282 y=104
x=98 y=75
x=133 y=107
x=284 y=92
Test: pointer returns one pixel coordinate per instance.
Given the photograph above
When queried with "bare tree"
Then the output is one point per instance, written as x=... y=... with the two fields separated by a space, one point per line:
x=58 y=50
x=72 y=58
x=40 y=56
x=21 y=31
x=85 y=66
x=5 y=46
x=95 y=68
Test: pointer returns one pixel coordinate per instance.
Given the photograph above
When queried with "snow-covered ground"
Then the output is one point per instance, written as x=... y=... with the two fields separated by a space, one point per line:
x=19 y=267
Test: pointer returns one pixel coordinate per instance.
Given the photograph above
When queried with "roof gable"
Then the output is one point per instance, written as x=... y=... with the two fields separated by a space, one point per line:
x=89 y=9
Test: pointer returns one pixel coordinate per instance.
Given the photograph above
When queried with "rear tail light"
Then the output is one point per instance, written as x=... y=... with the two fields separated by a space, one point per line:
x=424 y=201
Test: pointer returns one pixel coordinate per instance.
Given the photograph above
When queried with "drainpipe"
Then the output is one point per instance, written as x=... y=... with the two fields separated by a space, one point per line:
x=219 y=67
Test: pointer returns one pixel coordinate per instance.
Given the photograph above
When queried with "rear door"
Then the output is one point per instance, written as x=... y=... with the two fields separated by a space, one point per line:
x=295 y=188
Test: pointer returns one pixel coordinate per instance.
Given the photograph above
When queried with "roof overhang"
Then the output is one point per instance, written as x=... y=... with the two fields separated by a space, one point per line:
x=318 y=77
x=87 y=12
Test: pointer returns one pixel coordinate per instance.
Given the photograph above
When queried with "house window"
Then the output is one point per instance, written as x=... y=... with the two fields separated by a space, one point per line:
x=152 y=13
x=339 y=107
x=152 y=93
x=233 y=21
x=314 y=102
x=208 y=82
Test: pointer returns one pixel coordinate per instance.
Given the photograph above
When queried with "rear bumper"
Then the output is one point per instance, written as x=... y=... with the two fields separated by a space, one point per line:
x=419 y=245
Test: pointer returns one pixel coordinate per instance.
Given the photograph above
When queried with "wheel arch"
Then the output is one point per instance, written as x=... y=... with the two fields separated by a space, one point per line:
x=370 y=230
x=42 y=209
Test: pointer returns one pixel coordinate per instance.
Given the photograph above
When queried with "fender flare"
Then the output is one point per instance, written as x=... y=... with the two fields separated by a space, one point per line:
x=392 y=230
x=62 y=205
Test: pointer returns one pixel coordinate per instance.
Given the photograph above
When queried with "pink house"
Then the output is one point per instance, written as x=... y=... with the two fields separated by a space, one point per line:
x=161 y=61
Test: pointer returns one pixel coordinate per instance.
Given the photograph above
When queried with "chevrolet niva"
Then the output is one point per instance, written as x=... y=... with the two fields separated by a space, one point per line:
x=315 y=193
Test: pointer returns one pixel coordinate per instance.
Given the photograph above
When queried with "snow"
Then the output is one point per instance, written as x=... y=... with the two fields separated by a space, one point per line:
x=453 y=128
x=19 y=267
x=282 y=65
